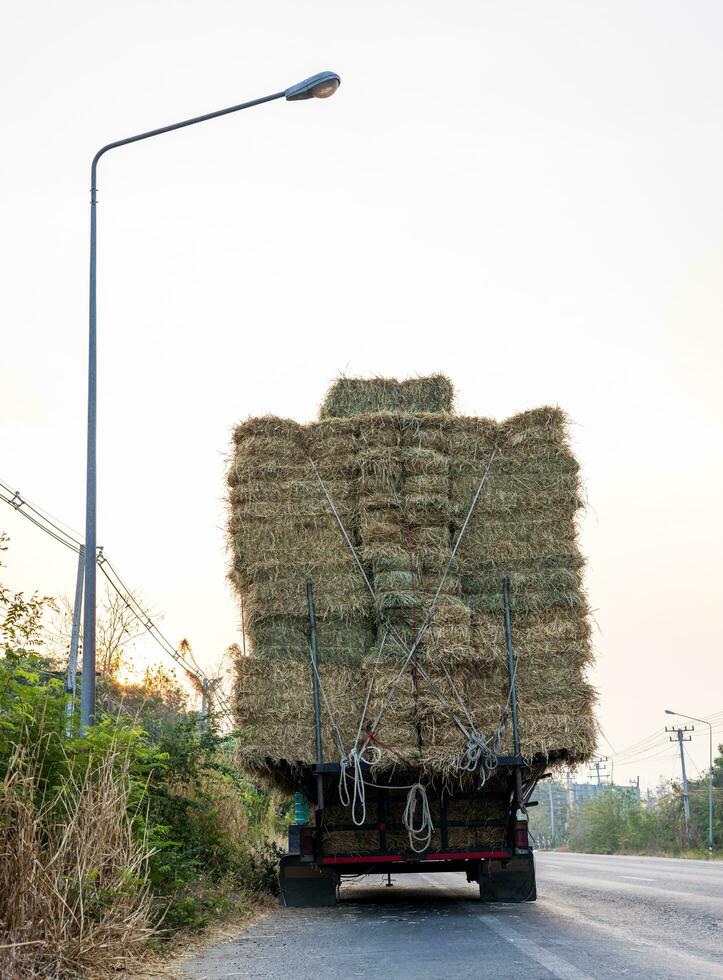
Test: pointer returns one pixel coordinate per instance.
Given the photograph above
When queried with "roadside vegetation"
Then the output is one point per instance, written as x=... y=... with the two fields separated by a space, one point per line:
x=614 y=821
x=113 y=843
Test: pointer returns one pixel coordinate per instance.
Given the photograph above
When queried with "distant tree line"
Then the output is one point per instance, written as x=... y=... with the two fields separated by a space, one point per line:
x=615 y=821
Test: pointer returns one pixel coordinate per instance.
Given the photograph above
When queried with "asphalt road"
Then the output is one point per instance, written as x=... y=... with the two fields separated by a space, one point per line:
x=596 y=917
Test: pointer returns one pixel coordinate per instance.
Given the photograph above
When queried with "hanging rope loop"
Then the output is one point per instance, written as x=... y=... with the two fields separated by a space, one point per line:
x=420 y=829
x=356 y=798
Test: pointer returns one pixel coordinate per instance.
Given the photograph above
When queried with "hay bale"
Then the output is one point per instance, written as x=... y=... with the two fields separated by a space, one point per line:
x=402 y=472
x=349 y=397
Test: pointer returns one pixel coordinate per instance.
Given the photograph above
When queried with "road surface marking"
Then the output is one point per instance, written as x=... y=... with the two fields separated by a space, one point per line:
x=555 y=964
x=637 y=878
x=551 y=961
x=626 y=940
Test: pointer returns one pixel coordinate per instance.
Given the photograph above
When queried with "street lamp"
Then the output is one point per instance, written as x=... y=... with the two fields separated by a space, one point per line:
x=319 y=86
x=710 y=780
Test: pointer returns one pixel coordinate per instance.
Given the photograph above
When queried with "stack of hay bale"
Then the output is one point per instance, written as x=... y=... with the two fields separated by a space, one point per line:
x=402 y=470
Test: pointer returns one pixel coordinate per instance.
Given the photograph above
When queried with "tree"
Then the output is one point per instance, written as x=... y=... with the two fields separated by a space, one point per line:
x=21 y=618
x=117 y=629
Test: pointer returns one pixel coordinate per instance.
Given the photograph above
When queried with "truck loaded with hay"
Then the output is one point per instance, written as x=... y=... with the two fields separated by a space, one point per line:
x=418 y=635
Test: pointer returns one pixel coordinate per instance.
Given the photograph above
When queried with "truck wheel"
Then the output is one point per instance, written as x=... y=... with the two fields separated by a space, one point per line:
x=509 y=881
x=303 y=884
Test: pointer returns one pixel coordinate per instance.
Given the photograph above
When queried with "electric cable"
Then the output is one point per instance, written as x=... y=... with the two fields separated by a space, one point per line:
x=56 y=529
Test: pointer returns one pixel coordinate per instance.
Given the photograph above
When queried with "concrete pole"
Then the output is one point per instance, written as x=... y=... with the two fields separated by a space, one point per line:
x=71 y=682
x=552 y=813
x=204 y=705
x=570 y=796
x=710 y=775
x=686 y=797
x=710 y=793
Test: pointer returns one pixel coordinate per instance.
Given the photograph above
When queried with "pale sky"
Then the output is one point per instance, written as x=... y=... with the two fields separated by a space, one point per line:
x=526 y=196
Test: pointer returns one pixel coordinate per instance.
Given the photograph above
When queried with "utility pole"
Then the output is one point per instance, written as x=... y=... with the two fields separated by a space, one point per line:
x=208 y=686
x=552 y=815
x=681 y=737
x=599 y=765
x=70 y=685
x=204 y=705
x=702 y=721
x=570 y=796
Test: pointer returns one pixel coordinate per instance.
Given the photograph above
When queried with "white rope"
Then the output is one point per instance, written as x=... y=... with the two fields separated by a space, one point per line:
x=420 y=834
x=357 y=798
x=355 y=758
x=479 y=753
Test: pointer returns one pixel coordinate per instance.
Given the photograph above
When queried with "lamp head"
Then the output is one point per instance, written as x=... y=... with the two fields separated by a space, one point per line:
x=669 y=712
x=320 y=86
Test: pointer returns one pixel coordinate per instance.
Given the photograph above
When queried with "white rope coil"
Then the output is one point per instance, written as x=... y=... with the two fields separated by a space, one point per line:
x=357 y=798
x=420 y=833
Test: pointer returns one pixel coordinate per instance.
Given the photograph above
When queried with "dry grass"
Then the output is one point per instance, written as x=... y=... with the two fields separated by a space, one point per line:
x=74 y=901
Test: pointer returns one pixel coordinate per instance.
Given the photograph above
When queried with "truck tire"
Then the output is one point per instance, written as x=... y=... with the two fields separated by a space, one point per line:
x=508 y=881
x=303 y=884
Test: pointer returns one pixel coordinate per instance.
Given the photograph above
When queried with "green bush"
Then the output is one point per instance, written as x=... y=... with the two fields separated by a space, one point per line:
x=209 y=830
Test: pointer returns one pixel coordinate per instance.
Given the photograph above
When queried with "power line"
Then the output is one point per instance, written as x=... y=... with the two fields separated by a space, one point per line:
x=55 y=529
x=640 y=746
x=608 y=741
x=648 y=758
x=54 y=521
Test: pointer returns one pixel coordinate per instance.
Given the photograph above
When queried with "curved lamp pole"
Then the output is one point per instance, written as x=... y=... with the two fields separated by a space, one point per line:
x=319 y=86
x=710 y=778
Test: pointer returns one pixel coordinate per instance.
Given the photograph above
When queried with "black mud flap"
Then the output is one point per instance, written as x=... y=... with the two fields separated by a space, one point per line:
x=305 y=885
x=509 y=881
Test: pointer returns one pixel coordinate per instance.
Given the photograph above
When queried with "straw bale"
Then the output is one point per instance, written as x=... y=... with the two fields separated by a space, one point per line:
x=287 y=638
x=435 y=484
x=396 y=560
x=402 y=476
x=338 y=596
x=425 y=510
x=360 y=396
x=419 y=461
x=429 y=430
x=518 y=538
x=377 y=430
x=546 y=424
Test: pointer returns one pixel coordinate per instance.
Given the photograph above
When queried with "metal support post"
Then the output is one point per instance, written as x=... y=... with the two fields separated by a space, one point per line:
x=71 y=683
x=315 y=688
x=552 y=814
x=511 y=665
x=513 y=691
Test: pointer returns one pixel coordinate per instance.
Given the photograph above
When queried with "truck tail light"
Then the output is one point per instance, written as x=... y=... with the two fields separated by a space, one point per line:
x=306 y=840
x=521 y=836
